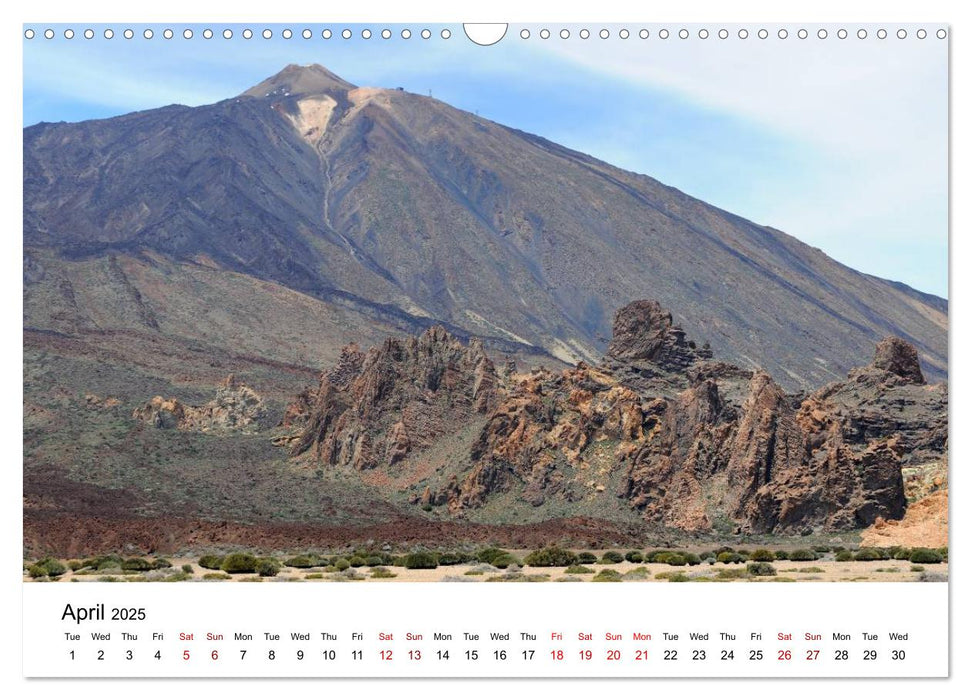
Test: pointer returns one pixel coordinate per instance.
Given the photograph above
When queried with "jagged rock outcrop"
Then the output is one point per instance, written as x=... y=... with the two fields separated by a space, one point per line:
x=236 y=407
x=645 y=331
x=899 y=358
x=658 y=429
x=375 y=409
x=884 y=399
x=649 y=352
x=347 y=367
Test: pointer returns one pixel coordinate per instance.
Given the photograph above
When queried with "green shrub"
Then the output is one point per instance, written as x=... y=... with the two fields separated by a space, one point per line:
x=900 y=553
x=53 y=567
x=315 y=576
x=358 y=561
x=781 y=555
x=667 y=574
x=822 y=548
x=867 y=554
x=676 y=560
x=760 y=568
x=762 y=555
x=803 y=555
x=586 y=558
x=732 y=574
x=136 y=564
x=917 y=567
x=301 y=561
x=110 y=561
x=74 y=565
x=36 y=571
x=187 y=569
x=344 y=564
x=504 y=561
x=922 y=555
x=578 y=569
x=373 y=561
x=637 y=574
x=845 y=555
x=210 y=561
x=452 y=558
x=239 y=563
x=267 y=567
x=608 y=575
x=672 y=576
x=215 y=576
x=551 y=556
x=485 y=556
x=421 y=560
x=381 y=572
x=729 y=558
x=634 y=557
x=943 y=552
x=691 y=558
x=161 y=563
x=705 y=556
x=612 y=557
x=659 y=556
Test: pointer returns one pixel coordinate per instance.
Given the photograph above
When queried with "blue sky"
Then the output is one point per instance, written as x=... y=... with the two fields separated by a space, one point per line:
x=841 y=143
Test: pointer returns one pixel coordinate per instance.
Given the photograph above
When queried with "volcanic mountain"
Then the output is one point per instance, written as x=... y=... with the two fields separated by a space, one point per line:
x=278 y=225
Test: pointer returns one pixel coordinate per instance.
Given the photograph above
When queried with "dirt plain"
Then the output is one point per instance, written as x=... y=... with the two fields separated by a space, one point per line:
x=787 y=571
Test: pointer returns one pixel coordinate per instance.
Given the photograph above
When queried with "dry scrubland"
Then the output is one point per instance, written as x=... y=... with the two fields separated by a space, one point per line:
x=498 y=565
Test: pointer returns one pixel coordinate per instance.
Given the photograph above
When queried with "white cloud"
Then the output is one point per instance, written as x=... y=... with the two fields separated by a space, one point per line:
x=851 y=94
x=873 y=110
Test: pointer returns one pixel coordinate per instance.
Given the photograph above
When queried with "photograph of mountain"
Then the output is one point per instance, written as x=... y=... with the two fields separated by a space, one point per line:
x=316 y=328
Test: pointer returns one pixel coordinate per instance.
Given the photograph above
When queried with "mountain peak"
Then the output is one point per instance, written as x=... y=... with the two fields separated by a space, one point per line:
x=295 y=79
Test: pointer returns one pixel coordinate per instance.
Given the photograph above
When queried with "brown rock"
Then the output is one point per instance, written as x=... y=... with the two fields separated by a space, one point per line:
x=401 y=396
x=643 y=331
x=235 y=407
x=898 y=357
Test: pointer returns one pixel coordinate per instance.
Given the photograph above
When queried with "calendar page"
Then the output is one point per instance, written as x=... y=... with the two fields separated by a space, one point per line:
x=430 y=349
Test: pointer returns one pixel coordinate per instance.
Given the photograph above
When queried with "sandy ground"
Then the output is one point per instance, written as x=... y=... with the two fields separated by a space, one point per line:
x=925 y=524
x=786 y=571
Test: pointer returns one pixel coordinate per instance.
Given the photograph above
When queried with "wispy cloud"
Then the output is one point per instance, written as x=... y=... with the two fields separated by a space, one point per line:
x=873 y=112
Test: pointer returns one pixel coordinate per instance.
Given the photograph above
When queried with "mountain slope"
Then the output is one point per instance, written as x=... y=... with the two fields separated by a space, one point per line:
x=403 y=207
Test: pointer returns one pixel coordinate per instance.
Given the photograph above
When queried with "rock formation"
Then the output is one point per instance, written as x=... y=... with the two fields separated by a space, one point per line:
x=925 y=524
x=658 y=426
x=235 y=407
x=375 y=409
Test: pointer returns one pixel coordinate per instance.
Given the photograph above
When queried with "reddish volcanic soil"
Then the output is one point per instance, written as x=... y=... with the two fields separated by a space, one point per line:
x=75 y=536
x=68 y=519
